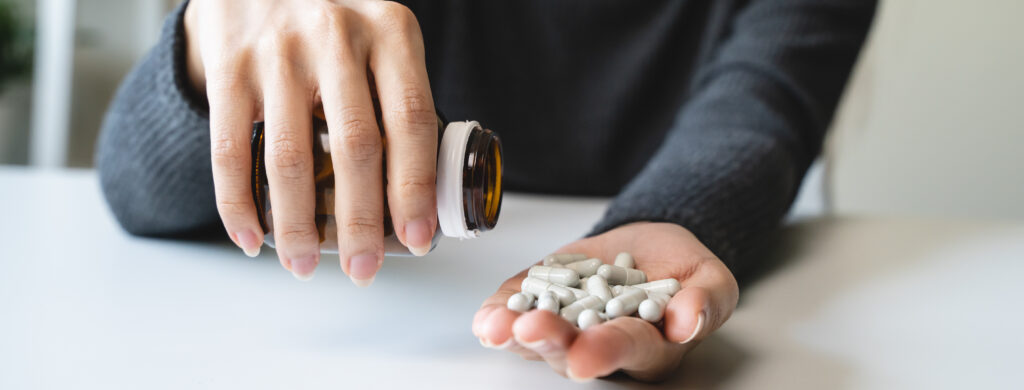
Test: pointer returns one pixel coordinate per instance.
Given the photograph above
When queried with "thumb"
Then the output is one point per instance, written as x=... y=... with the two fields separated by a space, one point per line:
x=706 y=301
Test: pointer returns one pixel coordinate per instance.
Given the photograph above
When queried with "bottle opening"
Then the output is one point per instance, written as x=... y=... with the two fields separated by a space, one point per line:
x=469 y=175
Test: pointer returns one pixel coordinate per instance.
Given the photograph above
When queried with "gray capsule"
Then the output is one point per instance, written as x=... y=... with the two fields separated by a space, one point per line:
x=626 y=303
x=665 y=286
x=548 y=301
x=652 y=309
x=563 y=258
x=625 y=260
x=588 y=318
x=572 y=312
x=537 y=286
x=585 y=267
x=579 y=294
x=562 y=276
x=597 y=286
x=521 y=301
x=624 y=276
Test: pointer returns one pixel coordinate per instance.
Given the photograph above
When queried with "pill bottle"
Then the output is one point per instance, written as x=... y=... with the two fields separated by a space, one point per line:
x=469 y=192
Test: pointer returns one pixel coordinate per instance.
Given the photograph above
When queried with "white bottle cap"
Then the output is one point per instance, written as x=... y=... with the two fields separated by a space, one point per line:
x=451 y=158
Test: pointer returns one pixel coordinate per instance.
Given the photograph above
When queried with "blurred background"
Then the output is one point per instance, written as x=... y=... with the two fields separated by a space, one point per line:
x=931 y=124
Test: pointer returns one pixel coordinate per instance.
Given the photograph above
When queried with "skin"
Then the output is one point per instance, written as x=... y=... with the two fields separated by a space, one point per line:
x=278 y=60
x=638 y=348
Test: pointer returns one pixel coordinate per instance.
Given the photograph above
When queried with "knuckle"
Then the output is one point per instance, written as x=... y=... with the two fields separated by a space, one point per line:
x=356 y=137
x=296 y=233
x=275 y=44
x=362 y=225
x=395 y=18
x=227 y=152
x=414 y=186
x=287 y=158
x=233 y=209
x=414 y=108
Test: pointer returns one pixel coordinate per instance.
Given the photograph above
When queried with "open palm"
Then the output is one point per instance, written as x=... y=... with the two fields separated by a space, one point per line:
x=637 y=347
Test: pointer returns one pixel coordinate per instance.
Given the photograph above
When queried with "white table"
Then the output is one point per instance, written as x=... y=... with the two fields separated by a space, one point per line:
x=860 y=303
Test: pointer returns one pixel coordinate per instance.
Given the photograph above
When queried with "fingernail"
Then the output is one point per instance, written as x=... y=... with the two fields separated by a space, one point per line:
x=539 y=346
x=248 y=241
x=303 y=267
x=696 y=330
x=501 y=346
x=568 y=373
x=417 y=236
x=362 y=269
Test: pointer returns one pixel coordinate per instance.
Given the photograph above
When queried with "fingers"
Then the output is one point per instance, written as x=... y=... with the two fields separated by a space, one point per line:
x=289 y=160
x=703 y=305
x=546 y=334
x=626 y=343
x=231 y=117
x=356 y=145
x=410 y=125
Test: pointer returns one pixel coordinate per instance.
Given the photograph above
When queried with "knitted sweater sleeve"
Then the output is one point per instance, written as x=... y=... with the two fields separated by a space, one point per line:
x=153 y=154
x=730 y=167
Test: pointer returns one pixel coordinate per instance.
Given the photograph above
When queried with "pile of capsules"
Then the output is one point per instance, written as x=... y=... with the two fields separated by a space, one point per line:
x=587 y=292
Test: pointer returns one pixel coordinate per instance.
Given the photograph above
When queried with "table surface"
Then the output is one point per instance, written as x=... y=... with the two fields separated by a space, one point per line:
x=853 y=303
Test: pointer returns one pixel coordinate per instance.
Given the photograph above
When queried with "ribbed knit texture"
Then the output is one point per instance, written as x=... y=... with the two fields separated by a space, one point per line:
x=701 y=113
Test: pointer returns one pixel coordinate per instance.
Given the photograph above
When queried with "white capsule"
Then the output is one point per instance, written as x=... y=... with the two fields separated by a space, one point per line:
x=562 y=276
x=616 y=290
x=626 y=303
x=624 y=276
x=563 y=258
x=652 y=309
x=521 y=301
x=588 y=318
x=625 y=260
x=585 y=267
x=536 y=286
x=548 y=301
x=598 y=287
x=572 y=312
x=577 y=293
x=665 y=286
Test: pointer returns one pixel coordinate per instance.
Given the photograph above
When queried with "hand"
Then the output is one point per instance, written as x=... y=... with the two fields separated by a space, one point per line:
x=631 y=344
x=276 y=60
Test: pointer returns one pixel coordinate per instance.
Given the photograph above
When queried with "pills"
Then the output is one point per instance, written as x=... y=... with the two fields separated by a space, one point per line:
x=563 y=258
x=521 y=301
x=665 y=286
x=586 y=267
x=605 y=291
x=563 y=276
x=588 y=318
x=626 y=303
x=619 y=275
x=572 y=312
x=653 y=308
x=536 y=286
x=624 y=260
x=597 y=286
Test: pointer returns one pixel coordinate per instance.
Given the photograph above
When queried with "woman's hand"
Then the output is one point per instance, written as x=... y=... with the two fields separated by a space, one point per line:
x=630 y=344
x=275 y=60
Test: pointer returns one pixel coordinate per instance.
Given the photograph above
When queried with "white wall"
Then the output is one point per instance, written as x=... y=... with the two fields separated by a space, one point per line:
x=933 y=123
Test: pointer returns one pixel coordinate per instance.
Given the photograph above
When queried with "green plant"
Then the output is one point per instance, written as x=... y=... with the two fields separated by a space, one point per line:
x=15 y=45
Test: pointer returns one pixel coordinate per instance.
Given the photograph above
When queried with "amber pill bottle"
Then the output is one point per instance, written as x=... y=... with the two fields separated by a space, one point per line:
x=469 y=192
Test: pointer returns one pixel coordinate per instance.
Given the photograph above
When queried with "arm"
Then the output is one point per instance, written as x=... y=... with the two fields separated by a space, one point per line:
x=724 y=176
x=732 y=163
x=153 y=154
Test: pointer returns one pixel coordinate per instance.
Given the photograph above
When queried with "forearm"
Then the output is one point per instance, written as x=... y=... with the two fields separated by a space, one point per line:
x=153 y=153
x=735 y=156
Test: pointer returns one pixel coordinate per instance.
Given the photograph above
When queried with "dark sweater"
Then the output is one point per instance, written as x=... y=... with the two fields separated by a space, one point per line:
x=704 y=113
